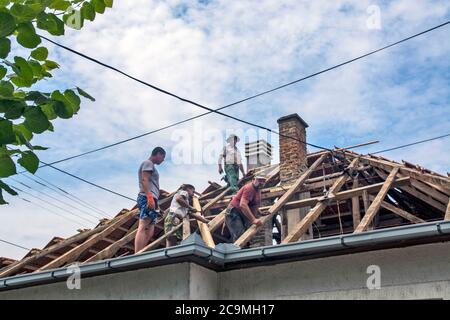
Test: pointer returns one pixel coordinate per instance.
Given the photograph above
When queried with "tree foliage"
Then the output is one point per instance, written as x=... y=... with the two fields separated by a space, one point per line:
x=24 y=110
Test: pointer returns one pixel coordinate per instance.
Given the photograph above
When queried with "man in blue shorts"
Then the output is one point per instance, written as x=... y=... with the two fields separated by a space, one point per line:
x=147 y=200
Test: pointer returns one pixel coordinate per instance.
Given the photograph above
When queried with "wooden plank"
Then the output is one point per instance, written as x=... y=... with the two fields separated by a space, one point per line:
x=366 y=202
x=388 y=166
x=447 y=212
x=344 y=195
x=315 y=212
x=203 y=227
x=419 y=195
x=376 y=204
x=355 y=206
x=186 y=227
x=215 y=223
x=250 y=232
x=158 y=241
x=15 y=267
x=429 y=191
x=74 y=253
x=215 y=200
x=112 y=249
x=402 y=213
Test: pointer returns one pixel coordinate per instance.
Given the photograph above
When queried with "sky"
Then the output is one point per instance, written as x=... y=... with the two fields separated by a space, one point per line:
x=217 y=52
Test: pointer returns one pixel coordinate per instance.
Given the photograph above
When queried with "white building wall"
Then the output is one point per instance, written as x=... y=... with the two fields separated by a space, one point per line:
x=419 y=272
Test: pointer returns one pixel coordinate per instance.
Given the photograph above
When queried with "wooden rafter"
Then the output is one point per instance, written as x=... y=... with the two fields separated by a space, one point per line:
x=203 y=227
x=355 y=205
x=112 y=249
x=400 y=212
x=447 y=212
x=250 y=232
x=376 y=203
x=315 y=212
x=74 y=253
x=417 y=194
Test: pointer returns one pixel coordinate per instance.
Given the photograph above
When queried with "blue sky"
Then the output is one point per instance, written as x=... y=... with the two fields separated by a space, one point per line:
x=217 y=52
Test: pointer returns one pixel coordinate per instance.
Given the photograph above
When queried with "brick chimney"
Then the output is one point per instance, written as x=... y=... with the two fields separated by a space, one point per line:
x=292 y=163
x=292 y=152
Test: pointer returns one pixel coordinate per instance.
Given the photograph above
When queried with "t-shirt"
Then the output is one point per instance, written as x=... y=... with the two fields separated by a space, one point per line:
x=177 y=208
x=252 y=195
x=231 y=154
x=153 y=182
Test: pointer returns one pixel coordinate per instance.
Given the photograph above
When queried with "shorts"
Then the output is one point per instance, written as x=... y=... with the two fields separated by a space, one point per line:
x=169 y=225
x=146 y=213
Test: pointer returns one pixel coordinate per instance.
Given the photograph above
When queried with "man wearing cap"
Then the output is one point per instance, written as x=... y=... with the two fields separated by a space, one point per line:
x=180 y=207
x=231 y=157
x=243 y=210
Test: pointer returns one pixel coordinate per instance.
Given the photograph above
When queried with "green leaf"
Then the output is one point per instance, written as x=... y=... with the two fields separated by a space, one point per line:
x=36 y=120
x=7 y=188
x=88 y=11
x=50 y=65
x=73 y=100
x=62 y=106
x=99 y=5
x=6 y=89
x=5 y=47
x=29 y=161
x=39 y=148
x=61 y=5
x=37 y=97
x=108 y=3
x=23 y=12
x=6 y=132
x=23 y=69
x=15 y=110
x=85 y=94
x=3 y=72
x=7 y=166
x=27 y=134
x=51 y=23
x=40 y=53
x=49 y=110
x=27 y=36
x=7 y=24
x=37 y=68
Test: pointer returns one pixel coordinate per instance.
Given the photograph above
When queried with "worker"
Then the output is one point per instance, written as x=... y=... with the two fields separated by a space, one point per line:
x=243 y=209
x=180 y=207
x=231 y=157
x=147 y=200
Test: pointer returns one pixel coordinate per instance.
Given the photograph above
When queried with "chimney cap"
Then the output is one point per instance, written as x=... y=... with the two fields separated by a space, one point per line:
x=293 y=116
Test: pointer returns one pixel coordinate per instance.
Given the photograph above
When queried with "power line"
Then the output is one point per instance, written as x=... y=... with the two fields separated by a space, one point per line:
x=226 y=106
x=411 y=144
x=47 y=184
x=48 y=202
x=56 y=199
x=52 y=211
x=88 y=182
x=81 y=179
x=15 y=245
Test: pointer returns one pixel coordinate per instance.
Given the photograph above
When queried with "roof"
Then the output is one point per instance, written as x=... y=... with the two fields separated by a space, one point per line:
x=348 y=194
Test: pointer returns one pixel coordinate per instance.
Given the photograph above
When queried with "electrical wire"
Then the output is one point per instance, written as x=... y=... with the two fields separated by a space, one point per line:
x=228 y=105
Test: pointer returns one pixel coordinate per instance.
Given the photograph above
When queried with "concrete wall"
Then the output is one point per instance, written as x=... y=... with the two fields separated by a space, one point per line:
x=419 y=272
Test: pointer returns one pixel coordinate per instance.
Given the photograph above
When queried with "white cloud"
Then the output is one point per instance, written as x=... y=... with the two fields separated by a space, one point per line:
x=218 y=53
